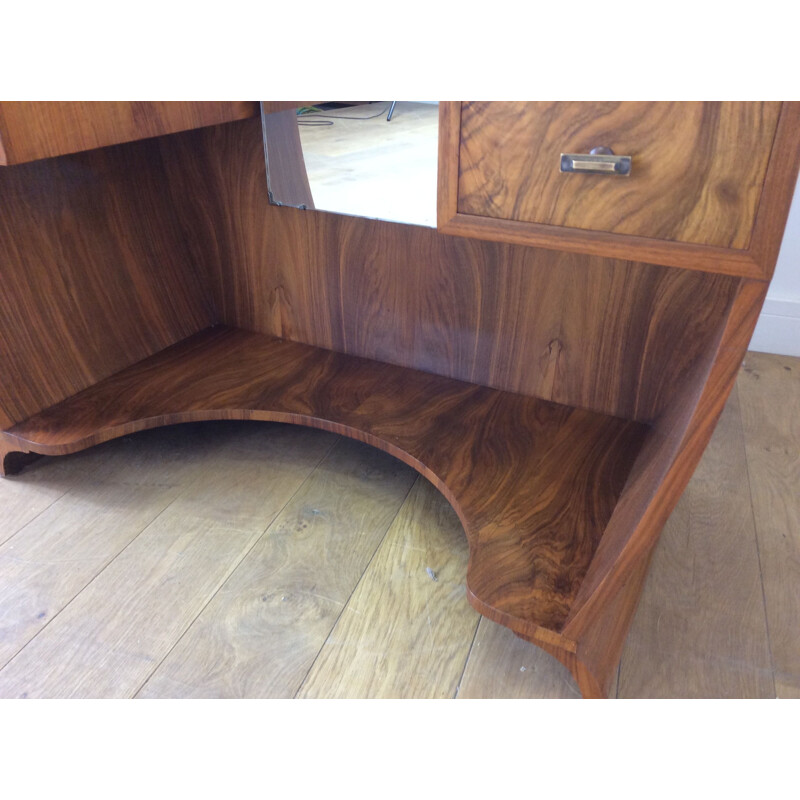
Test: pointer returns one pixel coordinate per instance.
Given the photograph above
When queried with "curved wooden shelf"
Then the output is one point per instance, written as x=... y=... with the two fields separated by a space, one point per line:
x=112 y=255
x=533 y=482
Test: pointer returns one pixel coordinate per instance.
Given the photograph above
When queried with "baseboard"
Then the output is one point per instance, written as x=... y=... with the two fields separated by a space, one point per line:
x=778 y=328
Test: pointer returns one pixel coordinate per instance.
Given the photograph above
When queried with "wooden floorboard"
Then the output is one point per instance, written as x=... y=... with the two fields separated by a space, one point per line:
x=769 y=387
x=407 y=629
x=262 y=631
x=504 y=666
x=52 y=559
x=23 y=498
x=787 y=686
x=534 y=482
x=700 y=629
x=149 y=557
x=109 y=639
x=84 y=510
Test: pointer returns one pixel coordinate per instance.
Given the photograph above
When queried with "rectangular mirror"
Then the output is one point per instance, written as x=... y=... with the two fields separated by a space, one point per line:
x=376 y=159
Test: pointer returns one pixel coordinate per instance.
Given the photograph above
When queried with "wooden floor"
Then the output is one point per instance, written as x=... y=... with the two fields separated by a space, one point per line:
x=264 y=560
x=362 y=165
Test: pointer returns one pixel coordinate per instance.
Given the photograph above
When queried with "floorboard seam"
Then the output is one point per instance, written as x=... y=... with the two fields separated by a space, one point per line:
x=357 y=584
x=88 y=583
x=466 y=660
x=34 y=518
x=756 y=530
x=228 y=575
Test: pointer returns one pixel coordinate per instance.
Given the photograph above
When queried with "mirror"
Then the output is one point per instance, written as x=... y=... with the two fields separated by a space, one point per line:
x=376 y=159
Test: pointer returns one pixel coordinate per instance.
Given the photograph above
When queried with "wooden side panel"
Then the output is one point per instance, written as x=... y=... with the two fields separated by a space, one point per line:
x=33 y=130
x=665 y=465
x=219 y=181
x=700 y=630
x=94 y=271
x=584 y=331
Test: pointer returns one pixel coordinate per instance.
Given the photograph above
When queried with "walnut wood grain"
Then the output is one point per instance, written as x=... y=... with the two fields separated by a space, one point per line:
x=610 y=335
x=34 y=130
x=533 y=482
x=110 y=257
x=95 y=273
x=698 y=168
x=604 y=605
x=721 y=219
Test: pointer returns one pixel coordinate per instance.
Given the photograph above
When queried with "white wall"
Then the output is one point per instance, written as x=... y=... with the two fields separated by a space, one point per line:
x=778 y=328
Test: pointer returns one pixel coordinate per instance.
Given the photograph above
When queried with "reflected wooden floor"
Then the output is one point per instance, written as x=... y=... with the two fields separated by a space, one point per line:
x=360 y=164
x=262 y=560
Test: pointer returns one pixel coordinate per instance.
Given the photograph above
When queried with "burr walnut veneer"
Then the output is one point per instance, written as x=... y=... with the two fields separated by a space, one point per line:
x=554 y=358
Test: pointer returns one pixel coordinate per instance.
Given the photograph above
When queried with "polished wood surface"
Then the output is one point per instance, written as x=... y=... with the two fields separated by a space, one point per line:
x=609 y=335
x=686 y=640
x=719 y=220
x=562 y=501
x=670 y=455
x=34 y=130
x=606 y=601
x=698 y=168
x=95 y=273
x=533 y=482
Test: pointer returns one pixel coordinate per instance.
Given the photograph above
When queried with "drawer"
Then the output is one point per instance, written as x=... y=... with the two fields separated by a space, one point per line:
x=697 y=176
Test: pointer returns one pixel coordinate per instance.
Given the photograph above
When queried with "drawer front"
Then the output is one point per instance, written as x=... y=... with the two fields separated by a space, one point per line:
x=696 y=175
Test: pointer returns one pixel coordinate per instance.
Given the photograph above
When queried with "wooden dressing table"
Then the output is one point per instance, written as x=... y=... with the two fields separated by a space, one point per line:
x=553 y=358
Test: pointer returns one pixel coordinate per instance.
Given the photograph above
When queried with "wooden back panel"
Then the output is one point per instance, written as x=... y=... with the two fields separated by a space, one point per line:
x=94 y=273
x=599 y=333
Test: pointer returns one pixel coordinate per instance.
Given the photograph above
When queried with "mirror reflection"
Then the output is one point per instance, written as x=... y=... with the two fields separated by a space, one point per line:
x=376 y=159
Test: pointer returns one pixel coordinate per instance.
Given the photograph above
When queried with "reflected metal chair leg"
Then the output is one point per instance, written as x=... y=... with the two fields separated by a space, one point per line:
x=391 y=111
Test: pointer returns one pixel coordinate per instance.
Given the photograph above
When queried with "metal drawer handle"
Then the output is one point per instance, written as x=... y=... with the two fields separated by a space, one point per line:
x=598 y=161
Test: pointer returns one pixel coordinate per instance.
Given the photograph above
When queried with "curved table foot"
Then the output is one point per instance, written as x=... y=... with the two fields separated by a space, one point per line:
x=13 y=460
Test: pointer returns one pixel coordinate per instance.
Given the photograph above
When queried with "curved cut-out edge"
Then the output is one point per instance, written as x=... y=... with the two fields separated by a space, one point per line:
x=17 y=452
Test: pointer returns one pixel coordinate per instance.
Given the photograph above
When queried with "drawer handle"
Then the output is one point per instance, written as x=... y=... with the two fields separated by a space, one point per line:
x=598 y=161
